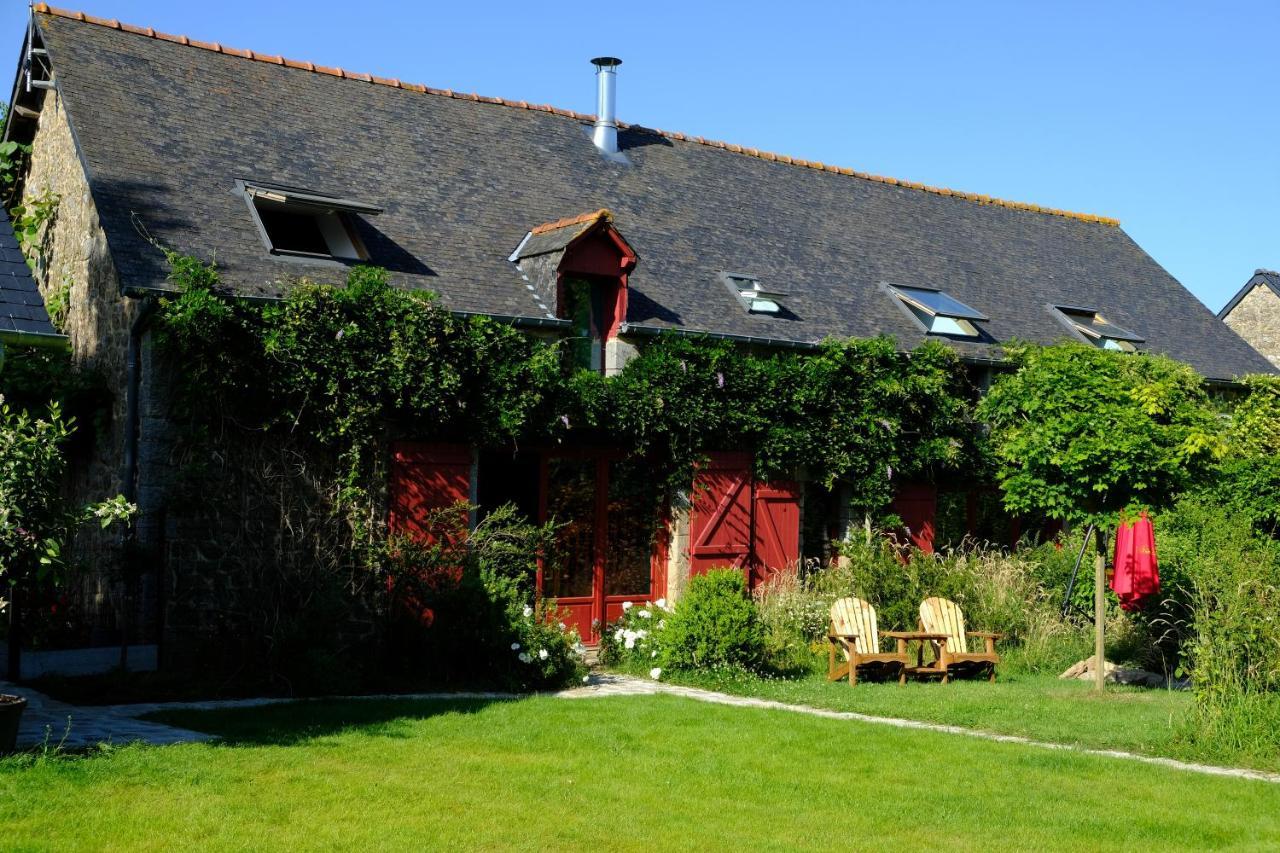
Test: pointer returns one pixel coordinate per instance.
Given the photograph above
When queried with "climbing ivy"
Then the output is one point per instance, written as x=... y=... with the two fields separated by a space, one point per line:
x=349 y=368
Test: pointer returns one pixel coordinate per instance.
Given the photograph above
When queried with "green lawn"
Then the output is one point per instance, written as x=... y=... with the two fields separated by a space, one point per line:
x=625 y=773
x=1036 y=706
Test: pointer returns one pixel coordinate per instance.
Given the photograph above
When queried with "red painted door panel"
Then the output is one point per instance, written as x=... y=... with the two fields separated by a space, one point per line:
x=776 y=535
x=917 y=506
x=720 y=519
x=425 y=478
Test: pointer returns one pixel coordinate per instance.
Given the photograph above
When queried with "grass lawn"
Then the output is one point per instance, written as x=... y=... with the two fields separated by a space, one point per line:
x=1042 y=707
x=625 y=773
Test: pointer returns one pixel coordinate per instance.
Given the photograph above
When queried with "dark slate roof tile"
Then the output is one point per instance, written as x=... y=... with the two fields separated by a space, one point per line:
x=21 y=308
x=166 y=129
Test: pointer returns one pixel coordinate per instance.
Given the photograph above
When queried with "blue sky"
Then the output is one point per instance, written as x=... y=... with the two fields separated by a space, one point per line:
x=1162 y=114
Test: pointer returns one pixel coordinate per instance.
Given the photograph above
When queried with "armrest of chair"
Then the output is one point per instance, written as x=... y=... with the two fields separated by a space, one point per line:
x=990 y=637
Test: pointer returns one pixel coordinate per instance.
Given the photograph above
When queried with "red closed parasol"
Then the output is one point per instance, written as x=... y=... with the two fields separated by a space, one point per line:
x=1137 y=572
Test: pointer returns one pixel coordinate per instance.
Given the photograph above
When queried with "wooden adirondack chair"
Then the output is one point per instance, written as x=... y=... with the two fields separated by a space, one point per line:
x=943 y=617
x=853 y=632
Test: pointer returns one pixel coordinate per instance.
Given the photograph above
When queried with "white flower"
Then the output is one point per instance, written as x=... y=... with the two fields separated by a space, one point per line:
x=655 y=673
x=524 y=658
x=618 y=635
x=654 y=653
x=528 y=611
x=563 y=627
x=585 y=679
x=626 y=605
x=662 y=603
x=641 y=634
x=630 y=642
x=662 y=623
x=644 y=614
x=543 y=654
x=515 y=647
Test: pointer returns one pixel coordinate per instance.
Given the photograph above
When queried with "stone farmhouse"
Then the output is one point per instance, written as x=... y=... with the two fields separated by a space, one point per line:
x=1254 y=313
x=555 y=221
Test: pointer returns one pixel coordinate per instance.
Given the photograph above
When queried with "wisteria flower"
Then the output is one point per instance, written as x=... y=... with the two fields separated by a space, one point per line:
x=719 y=380
x=564 y=419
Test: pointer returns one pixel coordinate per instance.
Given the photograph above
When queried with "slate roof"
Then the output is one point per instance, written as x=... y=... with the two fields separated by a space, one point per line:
x=1270 y=278
x=22 y=314
x=167 y=126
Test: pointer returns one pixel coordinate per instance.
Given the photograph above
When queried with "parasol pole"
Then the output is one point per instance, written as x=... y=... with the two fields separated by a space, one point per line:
x=1099 y=613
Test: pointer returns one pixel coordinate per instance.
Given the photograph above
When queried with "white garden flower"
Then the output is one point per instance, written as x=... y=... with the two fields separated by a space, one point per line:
x=654 y=653
x=644 y=614
x=563 y=627
x=528 y=611
x=515 y=647
x=524 y=658
x=641 y=634
x=630 y=642
x=626 y=605
x=618 y=635
x=655 y=673
x=585 y=679
x=662 y=623
x=543 y=654
x=661 y=603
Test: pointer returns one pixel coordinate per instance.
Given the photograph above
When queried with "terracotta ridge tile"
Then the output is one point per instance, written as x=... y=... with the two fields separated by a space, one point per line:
x=395 y=83
x=602 y=213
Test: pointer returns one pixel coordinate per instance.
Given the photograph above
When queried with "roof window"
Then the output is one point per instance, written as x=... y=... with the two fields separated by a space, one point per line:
x=299 y=222
x=749 y=293
x=939 y=313
x=1095 y=329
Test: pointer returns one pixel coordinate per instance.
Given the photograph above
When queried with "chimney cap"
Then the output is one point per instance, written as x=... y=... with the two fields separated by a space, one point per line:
x=606 y=62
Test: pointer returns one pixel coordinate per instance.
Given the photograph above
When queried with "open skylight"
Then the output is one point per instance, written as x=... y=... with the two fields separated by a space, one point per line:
x=938 y=312
x=305 y=223
x=1097 y=330
x=754 y=297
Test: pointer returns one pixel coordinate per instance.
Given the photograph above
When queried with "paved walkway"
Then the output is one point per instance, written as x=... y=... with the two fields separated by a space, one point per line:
x=77 y=727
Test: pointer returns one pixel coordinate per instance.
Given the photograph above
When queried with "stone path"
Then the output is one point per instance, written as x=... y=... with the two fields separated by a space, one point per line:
x=46 y=720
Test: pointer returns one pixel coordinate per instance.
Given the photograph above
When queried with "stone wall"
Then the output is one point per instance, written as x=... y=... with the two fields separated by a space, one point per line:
x=1256 y=318
x=73 y=259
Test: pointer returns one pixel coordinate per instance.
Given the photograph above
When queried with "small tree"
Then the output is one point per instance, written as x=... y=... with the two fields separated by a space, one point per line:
x=1080 y=433
x=34 y=518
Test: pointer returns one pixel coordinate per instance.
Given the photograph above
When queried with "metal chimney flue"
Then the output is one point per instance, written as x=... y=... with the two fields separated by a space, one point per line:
x=605 y=135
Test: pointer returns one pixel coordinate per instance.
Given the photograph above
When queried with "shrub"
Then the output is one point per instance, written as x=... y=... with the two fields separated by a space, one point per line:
x=794 y=619
x=714 y=624
x=635 y=640
x=462 y=606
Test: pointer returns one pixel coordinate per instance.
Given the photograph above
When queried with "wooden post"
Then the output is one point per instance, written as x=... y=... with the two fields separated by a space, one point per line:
x=1099 y=615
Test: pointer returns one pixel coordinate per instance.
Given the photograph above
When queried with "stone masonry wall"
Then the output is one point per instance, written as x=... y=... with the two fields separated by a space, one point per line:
x=1256 y=318
x=74 y=258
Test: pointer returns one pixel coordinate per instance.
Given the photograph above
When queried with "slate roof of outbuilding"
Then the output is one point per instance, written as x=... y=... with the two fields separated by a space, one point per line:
x=167 y=126
x=1270 y=278
x=22 y=312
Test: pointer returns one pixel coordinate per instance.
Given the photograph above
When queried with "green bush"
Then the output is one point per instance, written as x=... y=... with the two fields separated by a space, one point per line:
x=462 y=608
x=714 y=624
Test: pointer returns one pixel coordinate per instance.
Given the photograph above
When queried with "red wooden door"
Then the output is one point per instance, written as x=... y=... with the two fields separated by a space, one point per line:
x=776 y=532
x=917 y=506
x=425 y=478
x=720 y=517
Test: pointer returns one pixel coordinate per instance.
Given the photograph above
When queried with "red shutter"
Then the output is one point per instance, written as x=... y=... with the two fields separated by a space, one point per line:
x=720 y=520
x=425 y=478
x=917 y=506
x=777 y=530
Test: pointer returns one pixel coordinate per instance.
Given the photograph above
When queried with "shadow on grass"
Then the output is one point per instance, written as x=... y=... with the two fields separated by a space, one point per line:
x=291 y=723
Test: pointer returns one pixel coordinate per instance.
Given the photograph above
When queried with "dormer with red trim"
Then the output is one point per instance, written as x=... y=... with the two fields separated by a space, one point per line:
x=577 y=269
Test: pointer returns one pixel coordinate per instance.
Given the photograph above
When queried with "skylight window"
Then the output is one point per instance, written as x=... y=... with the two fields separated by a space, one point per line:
x=308 y=224
x=1097 y=330
x=752 y=295
x=939 y=313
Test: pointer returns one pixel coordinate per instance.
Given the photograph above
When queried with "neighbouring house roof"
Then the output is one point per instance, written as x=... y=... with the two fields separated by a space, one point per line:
x=1270 y=278
x=167 y=126
x=23 y=318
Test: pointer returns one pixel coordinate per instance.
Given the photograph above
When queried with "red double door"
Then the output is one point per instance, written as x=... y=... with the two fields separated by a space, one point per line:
x=739 y=522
